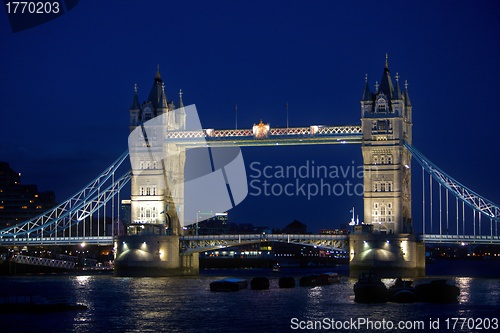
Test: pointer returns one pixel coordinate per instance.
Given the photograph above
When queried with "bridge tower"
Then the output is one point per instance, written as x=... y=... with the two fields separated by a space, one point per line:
x=385 y=241
x=151 y=245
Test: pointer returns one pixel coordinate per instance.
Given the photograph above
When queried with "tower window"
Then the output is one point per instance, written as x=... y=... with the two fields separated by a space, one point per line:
x=381 y=105
x=382 y=125
x=148 y=114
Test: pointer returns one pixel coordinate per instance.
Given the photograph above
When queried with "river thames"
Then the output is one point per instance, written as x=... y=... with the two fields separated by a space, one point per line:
x=185 y=304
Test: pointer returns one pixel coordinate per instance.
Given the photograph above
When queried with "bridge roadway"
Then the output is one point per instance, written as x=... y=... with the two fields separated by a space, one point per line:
x=191 y=244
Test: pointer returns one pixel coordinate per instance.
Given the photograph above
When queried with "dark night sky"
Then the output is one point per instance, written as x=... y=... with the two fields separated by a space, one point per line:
x=66 y=86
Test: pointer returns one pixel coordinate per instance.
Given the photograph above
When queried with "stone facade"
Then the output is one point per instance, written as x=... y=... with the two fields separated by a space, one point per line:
x=151 y=246
x=385 y=242
x=152 y=201
x=386 y=118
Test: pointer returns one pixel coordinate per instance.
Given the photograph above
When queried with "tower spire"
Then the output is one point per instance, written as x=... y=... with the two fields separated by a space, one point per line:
x=367 y=95
x=397 y=89
x=158 y=74
x=407 y=96
x=162 y=100
x=181 y=103
x=157 y=93
x=135 y=101
x=386 y=86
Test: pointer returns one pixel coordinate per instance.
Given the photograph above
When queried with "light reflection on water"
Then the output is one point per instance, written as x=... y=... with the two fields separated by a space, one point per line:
x=177 y=304
x=464 y=283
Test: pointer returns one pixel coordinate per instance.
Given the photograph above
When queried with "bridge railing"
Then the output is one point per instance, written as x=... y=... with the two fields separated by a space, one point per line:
x=468 y=239
x=91 y=240
x=310 y=131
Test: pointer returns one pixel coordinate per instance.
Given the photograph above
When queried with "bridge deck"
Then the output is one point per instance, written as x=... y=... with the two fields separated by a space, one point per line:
x=205 y=242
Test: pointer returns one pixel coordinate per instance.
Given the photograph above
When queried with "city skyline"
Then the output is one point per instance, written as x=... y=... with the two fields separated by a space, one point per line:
x=67 y=86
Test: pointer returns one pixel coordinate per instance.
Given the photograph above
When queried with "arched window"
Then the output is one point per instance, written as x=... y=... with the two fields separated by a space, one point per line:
x=147 y=114
x=381 y=105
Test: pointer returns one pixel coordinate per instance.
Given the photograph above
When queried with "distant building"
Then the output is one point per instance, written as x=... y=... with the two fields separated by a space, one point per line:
x=214 y=225
x=218 y=224
x=296 y=227
x=20 y=202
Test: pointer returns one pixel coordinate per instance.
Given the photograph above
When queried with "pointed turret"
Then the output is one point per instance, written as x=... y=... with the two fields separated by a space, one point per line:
x=181 y=113
x=386 y=81
x=367 y=95
x=156 y=95
x=181 y=103
x=135 y=110
x=397 y=90
x=162 y=101
x=407 y=96
x=135 y=101
x=158 y=74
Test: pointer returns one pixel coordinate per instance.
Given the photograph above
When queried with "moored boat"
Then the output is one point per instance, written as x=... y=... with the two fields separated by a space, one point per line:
x=437 y=291
x=229 y=284
x=370 y=289
x=259 y=283
x=286 y=282
x=402 y=292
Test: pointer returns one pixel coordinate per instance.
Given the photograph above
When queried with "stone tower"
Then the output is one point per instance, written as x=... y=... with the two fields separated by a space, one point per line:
x=151 y=245
x=386 y=119
x=385 y=242
x=152 y=202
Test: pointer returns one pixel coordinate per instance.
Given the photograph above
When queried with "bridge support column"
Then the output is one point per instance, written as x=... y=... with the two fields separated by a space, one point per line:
x=387 y=255
x=152 y=255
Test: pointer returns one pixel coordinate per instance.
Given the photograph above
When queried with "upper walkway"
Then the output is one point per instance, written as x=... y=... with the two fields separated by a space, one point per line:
x=263 y=135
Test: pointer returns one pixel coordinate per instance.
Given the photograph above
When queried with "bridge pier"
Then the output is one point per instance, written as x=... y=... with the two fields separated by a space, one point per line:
x=152 y=255
x=387 y=255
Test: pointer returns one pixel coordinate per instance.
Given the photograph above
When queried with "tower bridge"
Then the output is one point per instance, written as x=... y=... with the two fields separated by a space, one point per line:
x=386 y=240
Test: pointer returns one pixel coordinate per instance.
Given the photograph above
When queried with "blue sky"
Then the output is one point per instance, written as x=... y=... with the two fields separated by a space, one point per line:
x=66 y=86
